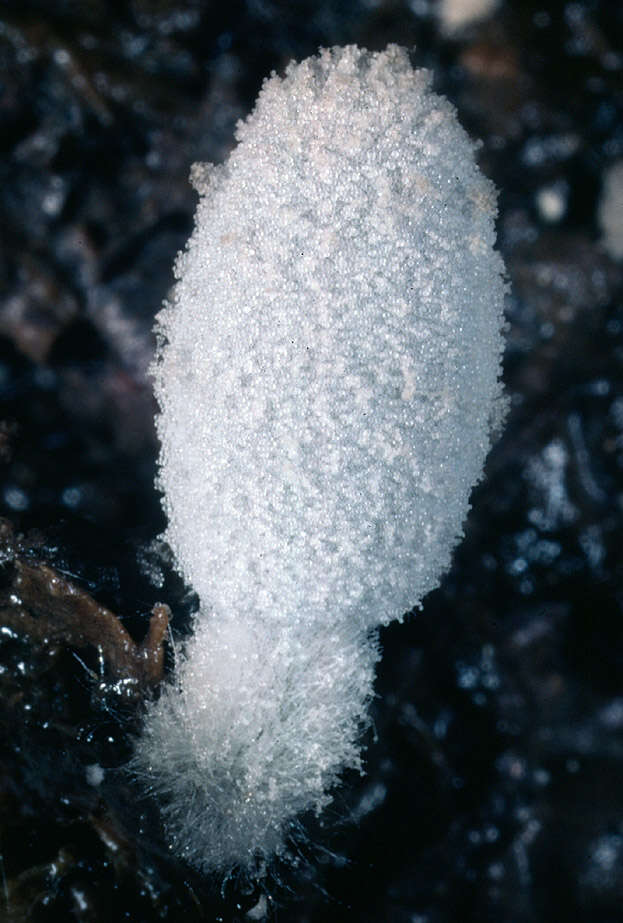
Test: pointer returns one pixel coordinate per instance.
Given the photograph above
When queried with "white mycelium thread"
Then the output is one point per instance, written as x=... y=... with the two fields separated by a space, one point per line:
x=327 y=378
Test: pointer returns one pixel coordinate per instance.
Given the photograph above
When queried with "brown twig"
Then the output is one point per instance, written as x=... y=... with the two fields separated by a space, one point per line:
x=52 y=610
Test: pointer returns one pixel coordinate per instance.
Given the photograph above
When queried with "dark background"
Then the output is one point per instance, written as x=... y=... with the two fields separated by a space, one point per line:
x=494 y=787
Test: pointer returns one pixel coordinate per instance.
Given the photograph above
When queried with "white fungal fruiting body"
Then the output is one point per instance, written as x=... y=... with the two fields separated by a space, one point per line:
x=327 y=379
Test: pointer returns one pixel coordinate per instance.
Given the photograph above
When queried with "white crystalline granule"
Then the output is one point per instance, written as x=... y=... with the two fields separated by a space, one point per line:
x=327 y=379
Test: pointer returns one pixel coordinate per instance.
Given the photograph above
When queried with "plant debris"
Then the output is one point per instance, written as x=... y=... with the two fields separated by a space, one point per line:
x=51 y=610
